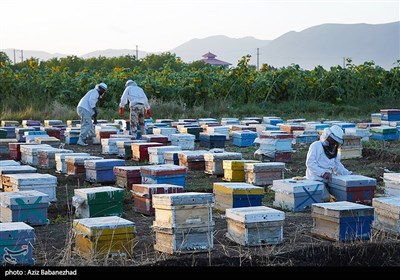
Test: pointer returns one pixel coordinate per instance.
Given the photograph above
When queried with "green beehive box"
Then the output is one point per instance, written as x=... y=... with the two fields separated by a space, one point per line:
x=98 y=202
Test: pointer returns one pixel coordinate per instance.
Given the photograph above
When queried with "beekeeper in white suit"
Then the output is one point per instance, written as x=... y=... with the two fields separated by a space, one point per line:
x=323 y=159
x=86 y=109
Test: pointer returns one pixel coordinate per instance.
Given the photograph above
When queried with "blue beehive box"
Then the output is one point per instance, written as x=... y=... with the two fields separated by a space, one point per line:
x=384 y=133
x=101 y=170
x=163 y=174
x=297 y=195
x=342 y=221
x=178 y=180
x=24 y=206
x=244 y=138
x=212 y=140
x=16 y=244
x=353 y=188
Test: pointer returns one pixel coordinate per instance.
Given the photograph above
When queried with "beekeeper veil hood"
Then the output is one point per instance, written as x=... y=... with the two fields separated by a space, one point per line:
x=335 y=132
x=130 y=83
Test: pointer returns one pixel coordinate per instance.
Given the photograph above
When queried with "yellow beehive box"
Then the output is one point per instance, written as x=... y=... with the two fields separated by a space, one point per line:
x=102 y=237
x=234 y=170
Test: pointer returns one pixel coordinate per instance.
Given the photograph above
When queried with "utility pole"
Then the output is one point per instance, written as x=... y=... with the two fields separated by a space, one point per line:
x=137 y=53
x=14 y=56
x=344 y=62
x=258 y=58
x=22 y=55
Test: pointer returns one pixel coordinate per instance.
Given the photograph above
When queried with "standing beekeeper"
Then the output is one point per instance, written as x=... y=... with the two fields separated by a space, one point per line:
x=86 y=110
x=323 y=159
x=139 y=107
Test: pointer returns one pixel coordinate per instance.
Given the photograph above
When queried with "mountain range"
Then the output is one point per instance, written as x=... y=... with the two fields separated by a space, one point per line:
x=326 y=45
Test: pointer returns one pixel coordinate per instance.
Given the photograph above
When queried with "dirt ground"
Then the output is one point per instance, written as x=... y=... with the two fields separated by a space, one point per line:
x=54 y=242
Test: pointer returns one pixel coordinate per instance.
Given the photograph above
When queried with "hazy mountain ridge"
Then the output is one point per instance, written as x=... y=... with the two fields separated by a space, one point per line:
x=326 y=45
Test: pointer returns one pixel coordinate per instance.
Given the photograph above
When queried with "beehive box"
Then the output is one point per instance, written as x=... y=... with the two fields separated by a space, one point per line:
x=193 y=160
x=156 y=153
x=387 y=214
x=104 y=237
x=24 y=206
x=183 y=210
x=165 y=131
x=127 y=175
x=353 y=188
x=98 y=202
x=194 y=130
x=171 y=157
x=392 y=184
x=143 y=195
x=15 y=150
x=234 y=195
x=164 y=174
x=212 y=140
x=183 y=222
x=244 y=138
x=76 y=164
x=44 y=183
x=297 y=195
x=109 y=145
x=234 y=170
x=16 y=244
x=101 y=170
x=47 y=158
x=29 y=153
x=156 y=138
x=263 y=173
x=9 y=162
x=255 y=226
x=342 y=221
x=384 y=133
x=183 y=140
x=140 y=150
x=61 y=165
x=15 y=169
x=214 y=161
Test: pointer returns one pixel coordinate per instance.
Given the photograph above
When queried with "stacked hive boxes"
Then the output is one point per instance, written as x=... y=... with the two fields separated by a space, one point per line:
x=24 y=206
x=44 y=183
x=125 y=147
x=214 y=161
x=342 y=221
x=275 y=146
x=164 y=174
x=218 y=130
x=183 y=222
x=353 y=188
x=387 y=214
x=20 y=133
x=102 y=237
x=234 y=195
x=263 y=173
x=392 y=184
x=127 y=175
x=351 y=147
x=15 y=169
x=101 y=170
x=72 y=135
x=143 y=195
x=255 y=226
x=98 y=202
x=17 y=241
x=194 y=130
x=234 y=169
x=297 y=195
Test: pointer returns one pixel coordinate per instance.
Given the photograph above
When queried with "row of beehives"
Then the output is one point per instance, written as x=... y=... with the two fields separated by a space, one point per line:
x=184 y=224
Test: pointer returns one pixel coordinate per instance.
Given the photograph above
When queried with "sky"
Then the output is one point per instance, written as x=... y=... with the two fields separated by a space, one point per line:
x=77 y=27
